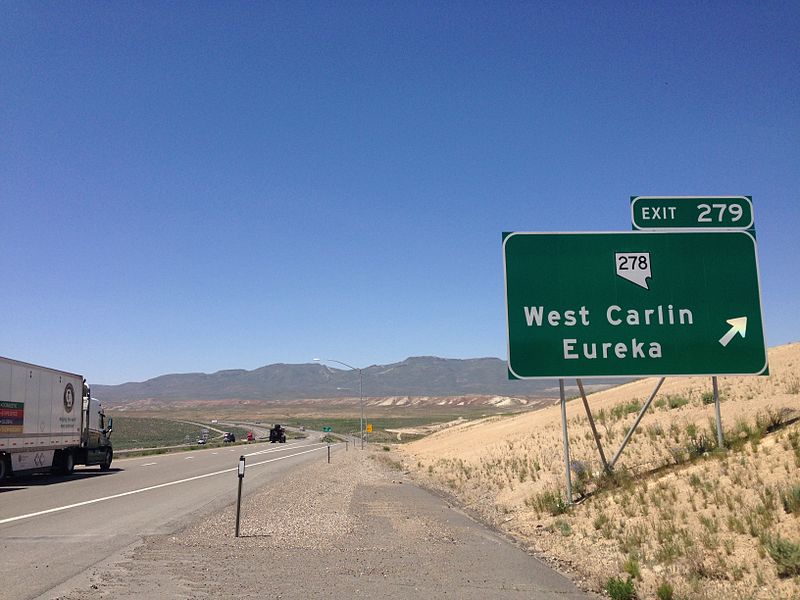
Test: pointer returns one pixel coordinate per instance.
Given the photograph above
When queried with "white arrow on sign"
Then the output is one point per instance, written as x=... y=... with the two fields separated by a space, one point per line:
x=737 y=326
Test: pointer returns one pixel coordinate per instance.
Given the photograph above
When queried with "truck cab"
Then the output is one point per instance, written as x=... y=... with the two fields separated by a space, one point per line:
x=96 y=436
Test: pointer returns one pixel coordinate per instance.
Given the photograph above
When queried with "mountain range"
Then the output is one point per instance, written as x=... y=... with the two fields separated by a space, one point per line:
x=415 y=376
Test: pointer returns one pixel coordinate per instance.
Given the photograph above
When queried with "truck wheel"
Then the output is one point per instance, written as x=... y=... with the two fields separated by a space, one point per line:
x=67 y=463
x=106 y=464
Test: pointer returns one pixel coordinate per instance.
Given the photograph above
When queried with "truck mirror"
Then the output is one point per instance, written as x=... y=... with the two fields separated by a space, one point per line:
x=110 y=427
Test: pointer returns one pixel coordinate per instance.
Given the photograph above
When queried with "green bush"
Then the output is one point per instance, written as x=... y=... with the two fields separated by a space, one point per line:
x=620 y=590
x=548 y=502
x=665 y=591
x=627 y=408
x=707 y=397
x=677 y=401
x=786 y=555
x=631 y=567
x=601 y=521
x=791 y=499
x=562 y=527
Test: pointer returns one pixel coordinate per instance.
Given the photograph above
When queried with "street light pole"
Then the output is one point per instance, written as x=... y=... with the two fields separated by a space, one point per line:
x=360 y=391
x=361 y=400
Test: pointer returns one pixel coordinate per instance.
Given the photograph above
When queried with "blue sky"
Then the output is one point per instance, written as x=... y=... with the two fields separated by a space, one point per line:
x=201 y=186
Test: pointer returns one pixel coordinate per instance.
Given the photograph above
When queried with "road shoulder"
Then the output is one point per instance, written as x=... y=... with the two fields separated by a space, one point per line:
x=355 y=527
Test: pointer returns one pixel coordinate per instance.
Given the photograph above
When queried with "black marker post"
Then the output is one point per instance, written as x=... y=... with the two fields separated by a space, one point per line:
x=239 y=499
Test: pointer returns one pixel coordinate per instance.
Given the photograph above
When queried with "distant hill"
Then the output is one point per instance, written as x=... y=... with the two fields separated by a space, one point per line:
x=416 y=376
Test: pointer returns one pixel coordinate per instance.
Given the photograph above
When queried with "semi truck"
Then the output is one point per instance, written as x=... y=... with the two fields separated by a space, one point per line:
x=277 y=434
x=49 y=421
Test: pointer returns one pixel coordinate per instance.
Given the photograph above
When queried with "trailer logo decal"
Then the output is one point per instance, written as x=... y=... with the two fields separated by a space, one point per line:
x=69 y=398
x=12 y=417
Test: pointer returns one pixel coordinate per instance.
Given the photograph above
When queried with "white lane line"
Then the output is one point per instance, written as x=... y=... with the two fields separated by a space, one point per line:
x=272 y=449
x=215 y=453
x=145 y=489
x=189 y=457
x=148 y=464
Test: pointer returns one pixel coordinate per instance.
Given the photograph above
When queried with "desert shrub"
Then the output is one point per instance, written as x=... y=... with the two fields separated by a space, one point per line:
x=790 y=497
x=654 y=431
x=633 y=540
x=665 y=591
x=631 y=567
x=743 y=432
x=771 y=419
x=678 y=455
x=582 y=479
x=712 y=428
x=794 y=441
x=676 y=401
x=793 y=386
x=626 y=408
x=698 y=442
x=707 y=398
x=619 y=589
x=601 y=521
x=562 y=527
x=618 y=478
x=549 y=501
x=786 y=555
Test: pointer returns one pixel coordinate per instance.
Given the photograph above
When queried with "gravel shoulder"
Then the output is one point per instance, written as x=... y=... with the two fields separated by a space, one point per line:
x=356 y=527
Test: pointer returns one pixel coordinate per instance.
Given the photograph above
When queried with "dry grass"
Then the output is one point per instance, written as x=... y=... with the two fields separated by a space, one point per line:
x=677 y=516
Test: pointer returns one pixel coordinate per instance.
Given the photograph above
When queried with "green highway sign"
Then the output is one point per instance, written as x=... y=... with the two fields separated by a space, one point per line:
x=633 y=304
x=694 y=212
x=326 y=428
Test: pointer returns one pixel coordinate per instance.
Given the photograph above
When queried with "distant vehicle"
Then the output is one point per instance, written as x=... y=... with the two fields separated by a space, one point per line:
x=49 y=421
x=250 y=436
x=277 y=434
x=302 y=427
x=201 y=441
x=228 y=437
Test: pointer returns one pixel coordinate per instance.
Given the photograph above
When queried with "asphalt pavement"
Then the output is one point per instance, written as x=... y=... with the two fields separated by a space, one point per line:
x=54 y=527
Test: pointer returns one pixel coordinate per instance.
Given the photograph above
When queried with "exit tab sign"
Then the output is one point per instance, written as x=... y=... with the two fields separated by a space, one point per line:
x=691 y=212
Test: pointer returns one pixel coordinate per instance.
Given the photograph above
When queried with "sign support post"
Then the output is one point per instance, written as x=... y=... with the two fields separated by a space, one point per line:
x=636 y=422
x=566 y=439
x=606 y=468
x=720 y=437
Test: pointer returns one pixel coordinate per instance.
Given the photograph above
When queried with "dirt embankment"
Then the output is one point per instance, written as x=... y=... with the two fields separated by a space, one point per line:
x=680 y=517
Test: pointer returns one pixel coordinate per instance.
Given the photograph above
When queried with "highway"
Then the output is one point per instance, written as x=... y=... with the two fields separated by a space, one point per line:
x=52 y=528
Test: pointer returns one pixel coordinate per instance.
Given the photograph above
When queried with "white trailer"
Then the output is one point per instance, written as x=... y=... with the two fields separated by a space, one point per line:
x=49 y=421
